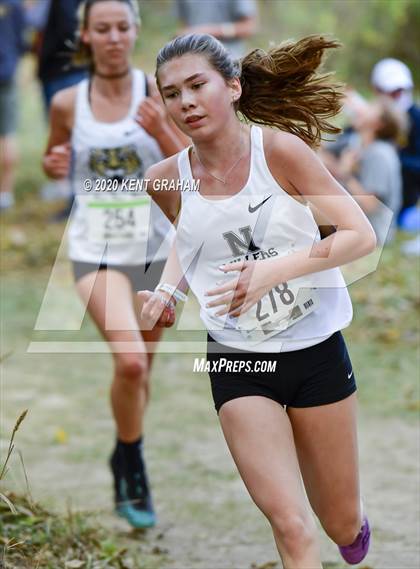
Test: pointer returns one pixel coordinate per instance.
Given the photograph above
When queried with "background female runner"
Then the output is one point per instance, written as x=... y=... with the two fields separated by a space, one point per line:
x=300 y=419
x=108 y=129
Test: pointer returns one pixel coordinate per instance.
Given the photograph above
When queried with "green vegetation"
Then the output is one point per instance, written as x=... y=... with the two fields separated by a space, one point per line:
x=31 y=536
x=34 y=537
x=369 y=30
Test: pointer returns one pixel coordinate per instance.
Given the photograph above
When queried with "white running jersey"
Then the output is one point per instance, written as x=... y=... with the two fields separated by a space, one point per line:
x=260 y=222
x=113 y=222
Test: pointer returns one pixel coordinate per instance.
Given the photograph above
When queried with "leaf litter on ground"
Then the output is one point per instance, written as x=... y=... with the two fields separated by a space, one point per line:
x=31 y=537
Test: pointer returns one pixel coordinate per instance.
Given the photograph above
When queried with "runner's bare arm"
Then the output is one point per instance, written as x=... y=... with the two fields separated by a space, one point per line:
x=291 y=159
x=153 y=117
x=367 y=200
x=158 y=308
x=168 y=201
x=324 y=226
x=153 y=308
x=56 y=160
x=154 y=93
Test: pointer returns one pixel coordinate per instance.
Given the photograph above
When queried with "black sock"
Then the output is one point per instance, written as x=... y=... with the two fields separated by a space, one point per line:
x=132 y=453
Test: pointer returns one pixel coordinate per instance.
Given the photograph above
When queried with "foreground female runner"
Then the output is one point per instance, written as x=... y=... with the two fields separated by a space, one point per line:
x=114 y=131
x=252 y=216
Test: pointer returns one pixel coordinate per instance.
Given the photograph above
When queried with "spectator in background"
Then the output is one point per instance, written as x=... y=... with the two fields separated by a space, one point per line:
x=230 y=21
x=36 y=15
x=12 y=26
x=56 y=69
x=374 y=170
x=393 y=78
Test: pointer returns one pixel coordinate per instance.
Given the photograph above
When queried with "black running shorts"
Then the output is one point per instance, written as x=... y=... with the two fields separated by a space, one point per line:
x=140 y=278
x=313 y=376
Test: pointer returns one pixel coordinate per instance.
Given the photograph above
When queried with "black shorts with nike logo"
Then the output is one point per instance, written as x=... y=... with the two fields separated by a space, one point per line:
x=313 y=376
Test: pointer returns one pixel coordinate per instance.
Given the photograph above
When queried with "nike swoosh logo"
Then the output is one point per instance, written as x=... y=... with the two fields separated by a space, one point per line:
x=253 y=209
x=129 y=132
x=349 y=374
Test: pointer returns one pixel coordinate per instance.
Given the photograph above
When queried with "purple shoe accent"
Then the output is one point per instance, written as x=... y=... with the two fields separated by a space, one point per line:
x=357 y=551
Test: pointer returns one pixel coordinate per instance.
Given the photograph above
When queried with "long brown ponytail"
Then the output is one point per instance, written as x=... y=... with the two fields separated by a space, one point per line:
x=283 y=88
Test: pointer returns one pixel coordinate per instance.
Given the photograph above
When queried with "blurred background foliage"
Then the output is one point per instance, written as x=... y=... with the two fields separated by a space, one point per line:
x=368 y=29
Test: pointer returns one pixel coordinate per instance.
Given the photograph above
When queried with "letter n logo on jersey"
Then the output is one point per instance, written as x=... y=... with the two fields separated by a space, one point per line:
x=240 y=245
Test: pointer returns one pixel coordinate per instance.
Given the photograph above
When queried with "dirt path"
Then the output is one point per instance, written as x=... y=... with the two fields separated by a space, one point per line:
x=206 y=519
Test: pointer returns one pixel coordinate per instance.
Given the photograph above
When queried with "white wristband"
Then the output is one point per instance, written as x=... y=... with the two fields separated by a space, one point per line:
x=167 y=303
x=173 y=291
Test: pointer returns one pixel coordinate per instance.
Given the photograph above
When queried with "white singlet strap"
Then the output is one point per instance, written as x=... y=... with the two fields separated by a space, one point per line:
x=138 y=90
x=82 y=110
x=184 y=171
x=184 y=167
x=260 y=162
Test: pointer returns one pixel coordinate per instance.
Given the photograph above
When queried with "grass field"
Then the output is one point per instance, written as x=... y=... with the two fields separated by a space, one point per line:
x=201 y=502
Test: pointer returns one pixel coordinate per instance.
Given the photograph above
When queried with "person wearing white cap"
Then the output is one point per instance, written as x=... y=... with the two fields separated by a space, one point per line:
x=393 y=78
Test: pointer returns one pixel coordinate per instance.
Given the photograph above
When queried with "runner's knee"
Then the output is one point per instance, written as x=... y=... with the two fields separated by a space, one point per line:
x=295 y=531
x=132 y=368
x=343 y=529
